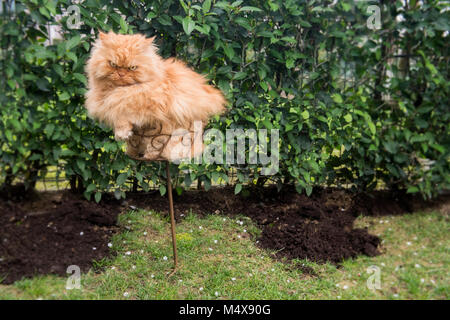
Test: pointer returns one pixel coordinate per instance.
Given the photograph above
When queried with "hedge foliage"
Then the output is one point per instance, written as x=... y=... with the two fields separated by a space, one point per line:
x=354 y=105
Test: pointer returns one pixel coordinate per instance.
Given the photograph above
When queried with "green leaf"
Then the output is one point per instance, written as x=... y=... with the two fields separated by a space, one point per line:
x=228 y=51
x=263 y=85
x=250 y=9
x=438 y=147
x=289 y=40
x=72 y=56
x=9 y=135
x=64 y=96
x=123 y=25
x=162 y=189
x=179 y=190
x=204 y=29
x=73 y=42
x=12 y=84
x=237 y=188
x=122 y=178
x=308 y=190
x=243 y=23
x=165 y=20
x=305 y=114
x=98 y=196
x=289 y=127
x=16 y=124
x=305 y=24
x=391 y=146
x=290 y=63
x=337 y=98
x=412 y=189
x=267 y=123
x=348 y=117
x=215 y=176
x=207 y=184
x=81 y=164
x=49 y=129
x=80 y=77
x=91 y=187
x=240 y=75
x=206 y=6
x=236 y=3
x=188 y=25
x=42 y=84
x=346 y=6
x=372 y=126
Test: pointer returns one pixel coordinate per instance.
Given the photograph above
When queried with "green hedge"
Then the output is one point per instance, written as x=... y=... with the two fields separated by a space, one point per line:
x=354 y=106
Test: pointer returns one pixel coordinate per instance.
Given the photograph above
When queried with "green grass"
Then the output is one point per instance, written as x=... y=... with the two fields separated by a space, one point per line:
x=219 y=260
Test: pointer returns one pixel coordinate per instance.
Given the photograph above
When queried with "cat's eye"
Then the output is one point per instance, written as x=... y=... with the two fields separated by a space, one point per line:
x=132 y=68
x=112 y=64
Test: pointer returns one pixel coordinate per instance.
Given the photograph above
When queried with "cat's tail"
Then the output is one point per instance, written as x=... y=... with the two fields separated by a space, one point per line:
x=216 y=103
x=198 y=103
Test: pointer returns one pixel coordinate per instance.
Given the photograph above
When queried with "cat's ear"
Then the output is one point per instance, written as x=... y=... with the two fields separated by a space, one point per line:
x=101 y=35
x=150 y=40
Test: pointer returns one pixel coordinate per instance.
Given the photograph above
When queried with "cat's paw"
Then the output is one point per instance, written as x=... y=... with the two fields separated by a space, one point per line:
x=123 y=134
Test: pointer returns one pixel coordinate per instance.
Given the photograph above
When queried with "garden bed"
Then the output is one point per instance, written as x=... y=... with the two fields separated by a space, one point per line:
x=44 y=233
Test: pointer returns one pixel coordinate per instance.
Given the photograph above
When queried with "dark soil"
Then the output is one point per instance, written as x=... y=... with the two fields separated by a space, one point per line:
x=40 y=232
x=46 y=235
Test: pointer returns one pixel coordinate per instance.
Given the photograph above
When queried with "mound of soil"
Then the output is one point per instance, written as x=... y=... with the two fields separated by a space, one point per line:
x=46 y=235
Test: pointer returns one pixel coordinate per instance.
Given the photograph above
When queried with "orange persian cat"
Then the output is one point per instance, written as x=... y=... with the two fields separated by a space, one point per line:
x=130 y=85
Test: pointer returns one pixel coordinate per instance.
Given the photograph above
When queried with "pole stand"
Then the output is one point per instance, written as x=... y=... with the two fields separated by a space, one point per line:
x=172 y=219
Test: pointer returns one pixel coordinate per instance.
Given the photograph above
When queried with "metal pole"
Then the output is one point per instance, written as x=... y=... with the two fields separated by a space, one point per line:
x=172 y=216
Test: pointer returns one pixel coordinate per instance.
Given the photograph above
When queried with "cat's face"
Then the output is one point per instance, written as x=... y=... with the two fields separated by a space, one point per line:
x=121 y=60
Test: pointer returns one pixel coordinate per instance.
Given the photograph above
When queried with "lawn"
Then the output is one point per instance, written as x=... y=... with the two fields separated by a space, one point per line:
x=220 y=259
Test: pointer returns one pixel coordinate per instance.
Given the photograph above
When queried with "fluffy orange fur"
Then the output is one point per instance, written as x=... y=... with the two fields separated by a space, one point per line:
x=130 y=85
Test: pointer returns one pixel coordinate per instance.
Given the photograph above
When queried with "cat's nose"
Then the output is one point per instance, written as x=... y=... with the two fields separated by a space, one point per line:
x=121 y=72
